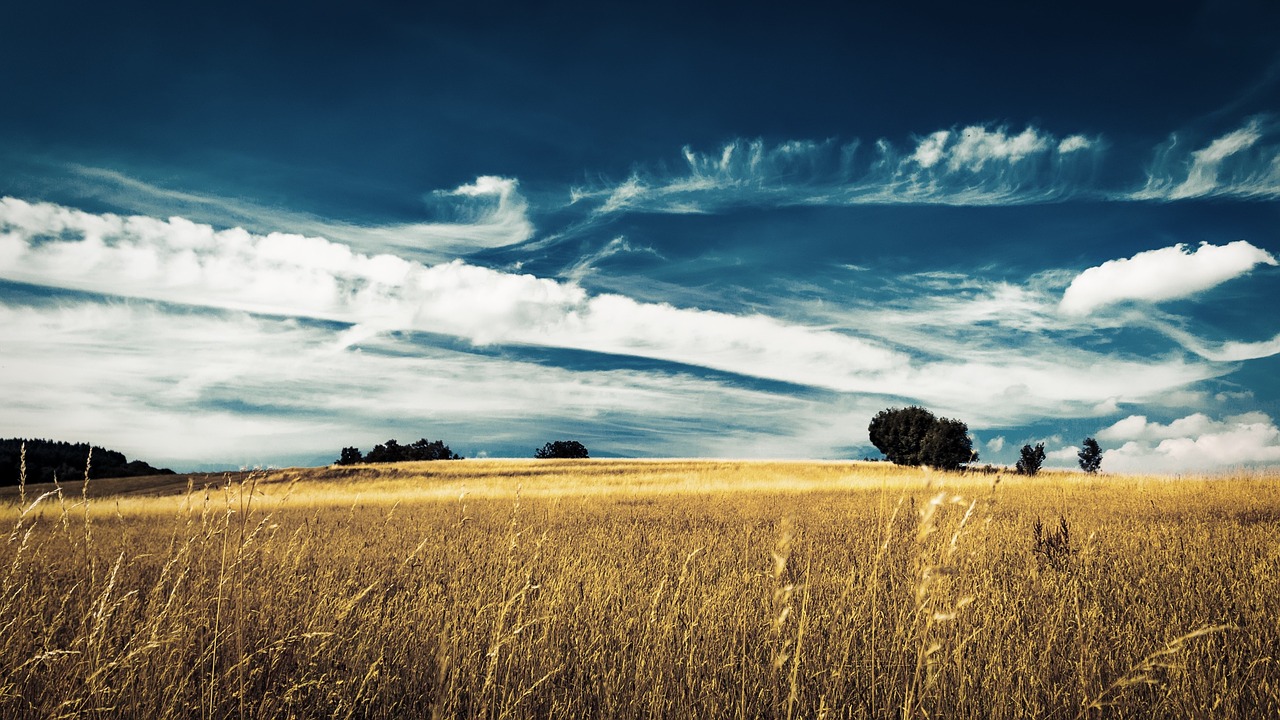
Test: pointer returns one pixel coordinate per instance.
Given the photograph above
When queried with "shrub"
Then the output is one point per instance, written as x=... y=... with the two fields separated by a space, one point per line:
x=1052 y=547
x=1031 y=460
x=568 y=449
x=1090 y=456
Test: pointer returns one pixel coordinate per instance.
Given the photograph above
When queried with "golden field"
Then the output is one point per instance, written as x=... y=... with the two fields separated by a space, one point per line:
x=604 y=589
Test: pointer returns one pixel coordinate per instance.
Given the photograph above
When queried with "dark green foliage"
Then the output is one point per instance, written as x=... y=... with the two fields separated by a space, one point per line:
x=899 y=433
x=393 y=451
x=1031 y=459
x=568 y=449
x=913 y=436
x=47 y=458
x=1090 y=456
x=947 y=445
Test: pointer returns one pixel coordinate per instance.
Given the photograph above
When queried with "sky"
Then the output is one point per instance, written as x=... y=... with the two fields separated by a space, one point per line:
x=255 y=233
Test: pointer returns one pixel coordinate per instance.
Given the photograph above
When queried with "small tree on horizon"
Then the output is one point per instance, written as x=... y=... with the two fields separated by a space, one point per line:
x=563 y=449
x=1031 y=459
x=1090 y=456
x=350 y=456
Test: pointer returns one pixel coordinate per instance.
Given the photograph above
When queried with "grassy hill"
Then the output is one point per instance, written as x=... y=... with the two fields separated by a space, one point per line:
x=611 y=588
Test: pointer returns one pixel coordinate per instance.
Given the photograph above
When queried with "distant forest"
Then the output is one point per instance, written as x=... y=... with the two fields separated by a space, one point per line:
x=47 y=458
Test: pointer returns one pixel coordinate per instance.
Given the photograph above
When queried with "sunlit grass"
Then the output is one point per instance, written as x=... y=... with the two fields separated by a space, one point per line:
x=644 y=588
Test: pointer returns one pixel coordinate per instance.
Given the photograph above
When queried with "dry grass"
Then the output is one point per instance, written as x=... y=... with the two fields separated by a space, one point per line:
x=644 y=589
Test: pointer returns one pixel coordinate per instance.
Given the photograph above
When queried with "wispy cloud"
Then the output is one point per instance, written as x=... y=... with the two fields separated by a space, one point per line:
x=1229 y=351
x=974 y=165
x=619 y=246
x=488 y=213
x=181 y=387
x=1244 y=163
x=1164 y=274
x=292 y=275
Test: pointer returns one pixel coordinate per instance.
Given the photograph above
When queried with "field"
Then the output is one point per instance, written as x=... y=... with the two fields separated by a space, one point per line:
x=604 y=589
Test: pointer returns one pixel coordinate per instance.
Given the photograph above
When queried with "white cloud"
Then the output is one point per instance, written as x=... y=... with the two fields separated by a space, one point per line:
x=979 y=145
x=291 y=275
x=1137 y=427
x=1064 y=456
x=1072 y=143
x=489 y=213
x=996 y=444
x=950 y=353
x=1110 y=406
x=1243 y=163
x=624 y=196
x=588 y=263
x=1164 y=274
x=181 y=387
x=1202 y=176
x=975 y=165
x=1228 y=351
x=1195 y=443
x=931 y=149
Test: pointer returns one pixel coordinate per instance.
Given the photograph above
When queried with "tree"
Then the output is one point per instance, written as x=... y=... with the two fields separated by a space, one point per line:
x=425 y=449
x=393 y=451
x=569 y=449
x=947 y=445
x=350 y=456
x=913 y=436
x=1031 y=460
x=47 y=460
x=899 y=433
x=1090 y=456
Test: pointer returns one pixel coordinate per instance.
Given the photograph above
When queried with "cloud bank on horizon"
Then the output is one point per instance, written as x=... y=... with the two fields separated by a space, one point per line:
x=303 y=265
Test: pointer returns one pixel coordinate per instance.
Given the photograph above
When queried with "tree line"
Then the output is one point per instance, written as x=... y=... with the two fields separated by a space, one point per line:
x=50 y=459
x=424 y=449
x=914 y=436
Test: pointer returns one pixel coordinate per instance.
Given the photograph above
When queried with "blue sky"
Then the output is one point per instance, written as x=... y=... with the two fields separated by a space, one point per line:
x=248 y=235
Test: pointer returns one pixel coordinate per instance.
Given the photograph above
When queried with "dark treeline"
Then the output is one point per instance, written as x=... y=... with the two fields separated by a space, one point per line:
x=562 y=449
x=393 y=451
x=48 y=458
x=424 y=449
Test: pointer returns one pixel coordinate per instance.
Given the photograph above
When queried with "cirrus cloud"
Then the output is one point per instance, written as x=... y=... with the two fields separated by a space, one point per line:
x=1243 y=163
x=971 y=166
